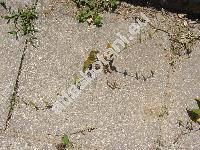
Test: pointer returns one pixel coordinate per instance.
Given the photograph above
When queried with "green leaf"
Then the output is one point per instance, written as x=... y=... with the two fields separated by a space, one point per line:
x=196 y=112
x=97 y=20
x=12 y=32
x=65 y=140
x=83 y=15
x=91 y=59
x=93 y=55
x=6 y=17
x=194 y=115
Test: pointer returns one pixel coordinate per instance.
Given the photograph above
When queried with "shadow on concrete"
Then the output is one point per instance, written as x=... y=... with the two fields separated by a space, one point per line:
x=190 y=7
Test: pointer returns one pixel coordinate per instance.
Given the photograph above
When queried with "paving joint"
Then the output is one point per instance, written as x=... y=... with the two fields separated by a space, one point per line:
x=13 y=97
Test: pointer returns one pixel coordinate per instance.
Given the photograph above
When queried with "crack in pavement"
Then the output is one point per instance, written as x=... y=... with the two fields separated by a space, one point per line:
x=13 y=97
x=160 y=142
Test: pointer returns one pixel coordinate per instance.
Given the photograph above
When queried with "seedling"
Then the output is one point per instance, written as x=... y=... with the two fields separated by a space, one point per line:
x=194 y=114
x=90 y=10
x=91 y=17
x=23 y=20
x=65 y=144
x=90 y=60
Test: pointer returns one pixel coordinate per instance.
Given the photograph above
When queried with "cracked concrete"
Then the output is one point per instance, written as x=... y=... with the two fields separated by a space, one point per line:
x=10 y=60
x=139 y=115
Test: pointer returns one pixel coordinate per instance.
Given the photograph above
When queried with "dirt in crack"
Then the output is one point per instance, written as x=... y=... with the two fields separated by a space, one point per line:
x=13 y=97
x=23 y=26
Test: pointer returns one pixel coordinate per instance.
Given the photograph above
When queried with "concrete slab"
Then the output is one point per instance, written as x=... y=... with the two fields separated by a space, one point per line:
x=23 y=142
x=125 y=119
x=183 y=90
x=137 y=114
x=10 y=56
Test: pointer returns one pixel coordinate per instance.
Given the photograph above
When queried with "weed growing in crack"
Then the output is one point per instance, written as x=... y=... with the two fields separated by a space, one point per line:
x=89 y=10
x=108 y=68
x=90 y=60
x=23 y=21
x=65 y=144
x=188 y=127
x=194 y=114
x=90 y=17
x=65 y=140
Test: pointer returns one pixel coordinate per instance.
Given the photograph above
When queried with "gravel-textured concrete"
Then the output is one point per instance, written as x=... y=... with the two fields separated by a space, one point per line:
x=183 y=90
x=9 y=59
x=136 y=115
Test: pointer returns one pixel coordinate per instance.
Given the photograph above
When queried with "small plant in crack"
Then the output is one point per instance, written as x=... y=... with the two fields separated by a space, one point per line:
x=31 y=104
x=23 y=20
x=65 y=143
x=90 y=60
x=92 y=17
x=65 y=140
x=89 y=10
x=108 y=67
x=194 y=114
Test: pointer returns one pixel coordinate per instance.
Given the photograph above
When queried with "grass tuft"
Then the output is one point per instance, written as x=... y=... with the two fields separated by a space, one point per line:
x=89 y=10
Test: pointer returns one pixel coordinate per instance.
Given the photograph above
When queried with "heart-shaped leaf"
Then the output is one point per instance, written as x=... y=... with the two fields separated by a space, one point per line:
x=65 y=140
x=194 y=115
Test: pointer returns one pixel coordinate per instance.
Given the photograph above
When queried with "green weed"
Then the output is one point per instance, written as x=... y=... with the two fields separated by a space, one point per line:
x=23 y=20
x=194 y=114
x=90 y=10
x=66 y=144
x=90 y=60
